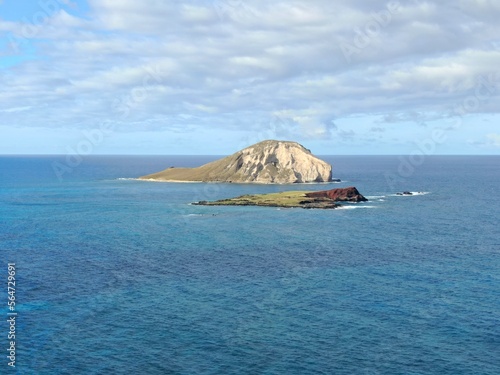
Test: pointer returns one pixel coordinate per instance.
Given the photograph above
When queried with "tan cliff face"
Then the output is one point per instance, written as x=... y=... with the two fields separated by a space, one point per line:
x=278 y=162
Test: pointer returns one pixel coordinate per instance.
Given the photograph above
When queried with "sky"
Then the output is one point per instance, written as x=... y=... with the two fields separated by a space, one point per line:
x=214 y=76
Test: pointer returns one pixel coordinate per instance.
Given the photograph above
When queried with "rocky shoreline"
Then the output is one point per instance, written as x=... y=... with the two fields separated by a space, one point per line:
x=326 y=199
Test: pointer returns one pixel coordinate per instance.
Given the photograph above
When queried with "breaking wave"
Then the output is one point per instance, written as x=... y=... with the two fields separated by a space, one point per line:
x=413 y=193
x=353 y=207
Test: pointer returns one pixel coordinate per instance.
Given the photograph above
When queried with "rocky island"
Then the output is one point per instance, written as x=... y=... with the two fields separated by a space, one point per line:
x=290 y=199
x=266 y=162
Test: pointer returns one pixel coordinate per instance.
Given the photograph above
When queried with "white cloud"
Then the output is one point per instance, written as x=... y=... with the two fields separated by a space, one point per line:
x=494 y=139
x=231 y=64
x=16 y=109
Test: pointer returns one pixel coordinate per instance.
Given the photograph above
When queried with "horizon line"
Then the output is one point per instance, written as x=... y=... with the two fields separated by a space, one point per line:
x=94 y=155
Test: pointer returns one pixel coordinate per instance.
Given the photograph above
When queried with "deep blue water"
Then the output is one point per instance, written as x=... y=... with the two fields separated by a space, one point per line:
x=117 y=276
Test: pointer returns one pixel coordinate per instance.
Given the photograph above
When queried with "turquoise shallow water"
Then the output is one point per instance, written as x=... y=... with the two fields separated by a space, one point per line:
x=117 y=276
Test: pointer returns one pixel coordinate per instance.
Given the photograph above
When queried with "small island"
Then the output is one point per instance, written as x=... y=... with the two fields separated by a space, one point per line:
x=266 y=162
x=326 y=199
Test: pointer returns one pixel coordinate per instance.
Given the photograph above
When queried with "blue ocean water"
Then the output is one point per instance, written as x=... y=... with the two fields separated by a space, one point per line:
x=118 y=276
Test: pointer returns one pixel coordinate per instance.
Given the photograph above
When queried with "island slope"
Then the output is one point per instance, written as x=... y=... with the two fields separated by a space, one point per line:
x=278 y=162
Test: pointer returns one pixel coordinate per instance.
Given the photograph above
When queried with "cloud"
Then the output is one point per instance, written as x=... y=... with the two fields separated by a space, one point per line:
x=16 y=109
x=310 y=123
x=410 y=116
x=494 y=139
x=226 y=65
x=347 y=134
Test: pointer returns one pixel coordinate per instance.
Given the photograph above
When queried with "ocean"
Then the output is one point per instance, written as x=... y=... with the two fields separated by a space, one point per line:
x=119 y=276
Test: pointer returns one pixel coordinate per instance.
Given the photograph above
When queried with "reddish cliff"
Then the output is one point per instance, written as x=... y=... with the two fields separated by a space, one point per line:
x=349 y=194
